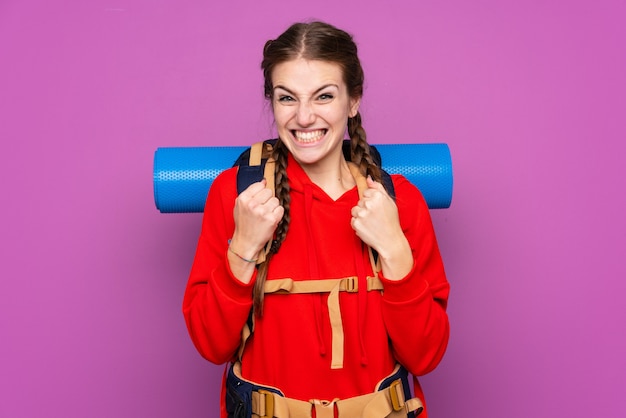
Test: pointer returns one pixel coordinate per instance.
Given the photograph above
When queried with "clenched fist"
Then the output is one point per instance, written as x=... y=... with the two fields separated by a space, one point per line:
x=375 y=220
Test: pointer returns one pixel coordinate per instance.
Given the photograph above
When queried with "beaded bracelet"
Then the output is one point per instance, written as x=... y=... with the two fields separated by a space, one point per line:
x=247 y=260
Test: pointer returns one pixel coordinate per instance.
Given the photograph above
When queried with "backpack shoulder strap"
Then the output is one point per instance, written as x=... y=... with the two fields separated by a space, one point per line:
x=253 y=165
x=361 y=185
x=386 y=178
x=388 y=183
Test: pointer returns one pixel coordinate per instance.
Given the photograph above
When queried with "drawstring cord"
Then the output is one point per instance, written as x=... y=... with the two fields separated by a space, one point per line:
x=314 y=268
x=362 y=300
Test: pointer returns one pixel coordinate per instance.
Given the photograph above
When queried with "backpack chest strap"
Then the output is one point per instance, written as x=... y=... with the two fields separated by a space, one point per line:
x=346 y=284
x=332 y=287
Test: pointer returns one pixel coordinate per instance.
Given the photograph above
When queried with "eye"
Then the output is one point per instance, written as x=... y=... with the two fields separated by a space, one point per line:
x=283 y=98
x=326 y=96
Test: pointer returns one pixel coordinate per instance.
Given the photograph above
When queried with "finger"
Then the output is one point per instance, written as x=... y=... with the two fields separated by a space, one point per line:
x=253 y=189
x=371 y=184
x=263 y=196
x=279 y=212
x=353 y=223
x=272 y=204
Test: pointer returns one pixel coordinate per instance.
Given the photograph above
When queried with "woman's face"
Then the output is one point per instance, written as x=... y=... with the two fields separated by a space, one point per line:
x=311 y=109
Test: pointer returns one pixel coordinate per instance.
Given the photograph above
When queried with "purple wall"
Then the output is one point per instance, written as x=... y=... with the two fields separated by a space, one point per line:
x=529 y=96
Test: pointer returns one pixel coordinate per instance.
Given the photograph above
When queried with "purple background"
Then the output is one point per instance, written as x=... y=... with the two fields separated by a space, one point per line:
x=529 y=96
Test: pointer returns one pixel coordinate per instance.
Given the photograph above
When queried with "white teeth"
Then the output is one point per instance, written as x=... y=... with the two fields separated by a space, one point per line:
x=309 y=136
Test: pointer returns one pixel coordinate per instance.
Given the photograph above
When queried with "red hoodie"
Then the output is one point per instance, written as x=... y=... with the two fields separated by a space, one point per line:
x=291 y=345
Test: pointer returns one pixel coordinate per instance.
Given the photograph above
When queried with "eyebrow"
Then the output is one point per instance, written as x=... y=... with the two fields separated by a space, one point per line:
x=314 y=93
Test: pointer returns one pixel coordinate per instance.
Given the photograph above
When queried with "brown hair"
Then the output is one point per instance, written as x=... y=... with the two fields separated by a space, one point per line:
x=312 y=41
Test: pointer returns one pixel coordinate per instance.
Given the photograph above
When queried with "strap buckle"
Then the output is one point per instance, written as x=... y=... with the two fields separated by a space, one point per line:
x=396 y=394
x=266 y=407
x=351 y=284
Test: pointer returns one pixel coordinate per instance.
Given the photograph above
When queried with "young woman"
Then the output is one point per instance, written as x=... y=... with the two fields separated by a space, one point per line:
x=352 y=285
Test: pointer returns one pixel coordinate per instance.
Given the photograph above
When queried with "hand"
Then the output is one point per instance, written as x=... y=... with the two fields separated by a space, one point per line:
x=257 y=214
x=376 y=221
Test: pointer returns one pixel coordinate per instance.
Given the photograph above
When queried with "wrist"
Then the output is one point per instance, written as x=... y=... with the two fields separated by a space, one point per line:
x=396 y=260
x=249 y=256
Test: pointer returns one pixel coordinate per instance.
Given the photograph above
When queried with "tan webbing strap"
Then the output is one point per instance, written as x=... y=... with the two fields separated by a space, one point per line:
x=263 y=403
x=375 y=263
x=268 y=175
x=388 y=403
x=266 y=404
x=347 y=284
x=359 y=178
x=415 y=405
x=374 y=283
x=245 y=334
x=324 y=409
x=336 y=326
x=256 y=154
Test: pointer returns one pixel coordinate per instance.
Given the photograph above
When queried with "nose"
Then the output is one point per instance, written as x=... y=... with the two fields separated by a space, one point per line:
x=305 y=116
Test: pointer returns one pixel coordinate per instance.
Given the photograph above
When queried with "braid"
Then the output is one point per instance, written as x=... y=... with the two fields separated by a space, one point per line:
x=282 y=193
x=360 y=149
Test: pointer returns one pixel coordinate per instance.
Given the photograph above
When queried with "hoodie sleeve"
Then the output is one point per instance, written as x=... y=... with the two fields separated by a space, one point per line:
x=414 y=308
x=216 y=305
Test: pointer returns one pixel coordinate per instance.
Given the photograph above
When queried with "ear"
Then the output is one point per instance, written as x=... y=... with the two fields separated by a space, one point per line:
x=354 y=106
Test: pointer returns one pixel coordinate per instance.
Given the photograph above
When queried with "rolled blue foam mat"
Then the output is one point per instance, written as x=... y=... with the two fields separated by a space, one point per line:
x=183 y=175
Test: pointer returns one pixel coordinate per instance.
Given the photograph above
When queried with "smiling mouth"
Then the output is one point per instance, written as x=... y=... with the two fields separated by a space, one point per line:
x=307 y=137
